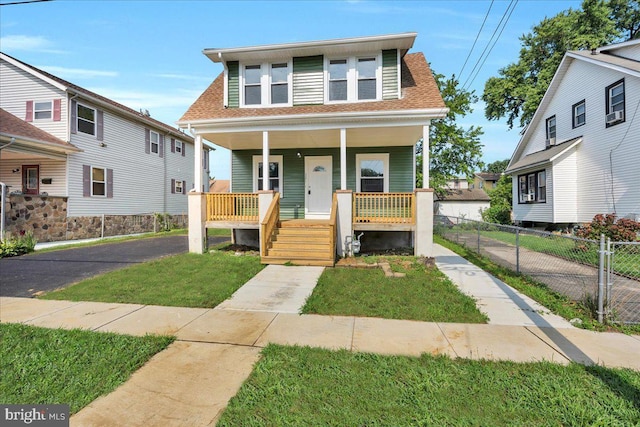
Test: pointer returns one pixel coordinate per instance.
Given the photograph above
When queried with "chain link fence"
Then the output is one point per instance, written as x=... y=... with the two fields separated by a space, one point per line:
x=566 y=264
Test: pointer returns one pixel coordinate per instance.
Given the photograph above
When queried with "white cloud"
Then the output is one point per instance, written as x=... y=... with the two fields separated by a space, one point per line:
x=144 y=99
x=27 y=43
x=65 y=72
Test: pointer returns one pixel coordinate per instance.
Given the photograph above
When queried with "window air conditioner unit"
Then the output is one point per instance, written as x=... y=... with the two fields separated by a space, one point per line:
x=615 y=116
x=550 y=142
x=531 y=197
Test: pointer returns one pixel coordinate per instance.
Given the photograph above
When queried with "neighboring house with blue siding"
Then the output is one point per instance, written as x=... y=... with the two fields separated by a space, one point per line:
x=579 y=156
x=337 y=122
x=110 y=171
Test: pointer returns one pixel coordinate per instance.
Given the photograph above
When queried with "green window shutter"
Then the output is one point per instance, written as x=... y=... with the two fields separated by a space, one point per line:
x=233 y=88
x=308 y=80
x=390 y=74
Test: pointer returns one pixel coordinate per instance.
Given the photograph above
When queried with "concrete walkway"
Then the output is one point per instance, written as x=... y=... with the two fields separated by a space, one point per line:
x=191 y=382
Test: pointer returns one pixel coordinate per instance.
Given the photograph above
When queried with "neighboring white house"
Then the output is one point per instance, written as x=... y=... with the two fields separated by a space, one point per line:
x=580 y=154
x=100 y=158
x=465 y=203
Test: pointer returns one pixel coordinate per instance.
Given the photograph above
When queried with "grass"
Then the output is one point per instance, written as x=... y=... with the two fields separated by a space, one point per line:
x=554 y=301
x=218 y=232
x=74 y=367
x=305 y=386
x=185 y=280
x=423 y=294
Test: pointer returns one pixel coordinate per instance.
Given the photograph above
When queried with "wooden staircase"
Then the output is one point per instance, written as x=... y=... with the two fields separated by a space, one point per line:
x=301 y=242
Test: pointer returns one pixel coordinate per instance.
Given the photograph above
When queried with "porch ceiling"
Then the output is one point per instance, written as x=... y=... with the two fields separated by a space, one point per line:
x=319 y=138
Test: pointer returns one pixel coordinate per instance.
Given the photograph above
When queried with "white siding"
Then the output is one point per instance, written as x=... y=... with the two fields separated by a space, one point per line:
x=536 y=212
x=600 y=184
x=179 y=168
x=49 y=168
x=565 y=188
x=18 y=87
x=631 y=52
x=462 y=209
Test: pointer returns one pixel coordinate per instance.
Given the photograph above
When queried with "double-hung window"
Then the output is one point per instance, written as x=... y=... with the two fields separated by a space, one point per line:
x=154 y=137
x=178 y=146
x=98 y=181
x=551 y=127
x=279 y=83
x=252 y=85
x=579 y=114
x=367 y=84
x=532 y=187
x=42 y=110
x=274 y=171
x=86 y=120
x=372 y=173
x=338 y=80
x=615 y=103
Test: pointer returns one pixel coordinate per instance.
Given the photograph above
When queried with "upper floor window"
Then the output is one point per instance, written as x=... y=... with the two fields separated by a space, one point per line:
x=372 y=173
x=42 y=110
x=86 y=120
x=579 y=114
x=367 y=78
x=178 y=146
x=551 y=127
x=155 y=141
x=252 y=86
x=353 y=79
x=615 y=103
x=266 y=84
x=338 y=80
x=279 y=83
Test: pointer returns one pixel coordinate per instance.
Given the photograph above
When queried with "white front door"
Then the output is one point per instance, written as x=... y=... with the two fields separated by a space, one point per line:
x=318 y=181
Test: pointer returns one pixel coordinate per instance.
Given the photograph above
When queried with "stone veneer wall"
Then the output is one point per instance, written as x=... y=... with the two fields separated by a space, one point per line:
x=46 y=217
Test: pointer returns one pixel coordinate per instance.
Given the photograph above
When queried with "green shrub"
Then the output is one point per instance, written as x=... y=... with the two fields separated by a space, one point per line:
x=22 y=244
x=617 y=229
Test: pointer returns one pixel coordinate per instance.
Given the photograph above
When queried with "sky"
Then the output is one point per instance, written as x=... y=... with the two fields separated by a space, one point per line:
x=148 y=54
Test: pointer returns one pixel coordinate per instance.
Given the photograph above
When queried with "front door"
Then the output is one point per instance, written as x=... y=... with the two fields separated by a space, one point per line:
x=30 y=179
x=318 y=183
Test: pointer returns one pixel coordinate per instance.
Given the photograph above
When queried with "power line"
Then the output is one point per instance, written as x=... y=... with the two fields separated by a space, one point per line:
x=504 y=15
x=474 y=42
x=13 y=3
x=494 y=43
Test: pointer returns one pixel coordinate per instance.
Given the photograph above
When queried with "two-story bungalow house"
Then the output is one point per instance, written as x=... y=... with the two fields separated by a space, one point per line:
x=579 y=156
x=77 y=164
x=322 y=137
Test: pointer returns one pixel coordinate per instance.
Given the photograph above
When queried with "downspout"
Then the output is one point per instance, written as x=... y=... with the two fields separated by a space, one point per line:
x=69 y=141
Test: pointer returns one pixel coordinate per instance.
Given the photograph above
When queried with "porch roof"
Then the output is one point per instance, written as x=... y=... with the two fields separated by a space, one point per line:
x=28 y=138
x=545 y=156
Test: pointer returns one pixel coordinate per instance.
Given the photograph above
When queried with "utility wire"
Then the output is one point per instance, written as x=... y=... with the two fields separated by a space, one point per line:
x=475 y=41
x=13 y=3
x=494 y=44
x=504 y=15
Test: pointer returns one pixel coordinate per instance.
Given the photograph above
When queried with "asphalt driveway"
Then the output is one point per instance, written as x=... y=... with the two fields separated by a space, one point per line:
x=26 y=275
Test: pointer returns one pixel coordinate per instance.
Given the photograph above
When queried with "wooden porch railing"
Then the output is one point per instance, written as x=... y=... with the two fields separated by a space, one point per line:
x=388 y=208
x=269 y=223
x=332 y=225
x=232 y=207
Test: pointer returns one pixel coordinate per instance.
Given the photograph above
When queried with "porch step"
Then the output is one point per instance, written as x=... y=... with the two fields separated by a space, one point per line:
x=301 y=242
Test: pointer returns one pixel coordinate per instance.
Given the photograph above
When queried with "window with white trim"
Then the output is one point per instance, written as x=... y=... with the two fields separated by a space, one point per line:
x=274 y=171
x=43 y=110
x=178 y=146
x=279 y=83
x=252 y=85
x=154 y=138
x=177 y=187
x=532 y=187
x=579 y=113
x=98 y=181
x=353 y=79
x=372 y=173
x=551 y=127
x=86 y=119
x=266 y=84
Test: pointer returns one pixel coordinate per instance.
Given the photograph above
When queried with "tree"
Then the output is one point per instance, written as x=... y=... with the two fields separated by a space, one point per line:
x=453 y=150
x=499 y=211
x=626 y=15
x=520 y=86
x=499 y=166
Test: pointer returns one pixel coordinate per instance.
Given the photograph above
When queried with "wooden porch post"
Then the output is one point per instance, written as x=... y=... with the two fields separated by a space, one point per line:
x=425 y=156
x=265 y=161
x=343 y=159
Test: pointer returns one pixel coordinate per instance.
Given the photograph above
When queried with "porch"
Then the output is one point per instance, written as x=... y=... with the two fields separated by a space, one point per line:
x=319 y=241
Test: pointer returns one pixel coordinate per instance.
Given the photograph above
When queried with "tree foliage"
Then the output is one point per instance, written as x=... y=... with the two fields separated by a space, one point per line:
x=453 y=150
x=499 y=211
x=499 y=166
x=520 y=86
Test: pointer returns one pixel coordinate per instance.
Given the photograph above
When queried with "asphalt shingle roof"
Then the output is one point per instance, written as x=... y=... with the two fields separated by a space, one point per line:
x=11 y=125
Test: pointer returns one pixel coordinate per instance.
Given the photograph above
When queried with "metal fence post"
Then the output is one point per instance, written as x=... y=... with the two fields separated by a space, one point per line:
x=518 y=250
x=601 y=252
x=478 y=238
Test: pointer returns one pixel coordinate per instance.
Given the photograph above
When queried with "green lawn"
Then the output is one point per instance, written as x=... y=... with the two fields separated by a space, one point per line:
x=74 y=367
x=185 y=280
x=424 y=294
x=219 y=232
x=305 y=386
